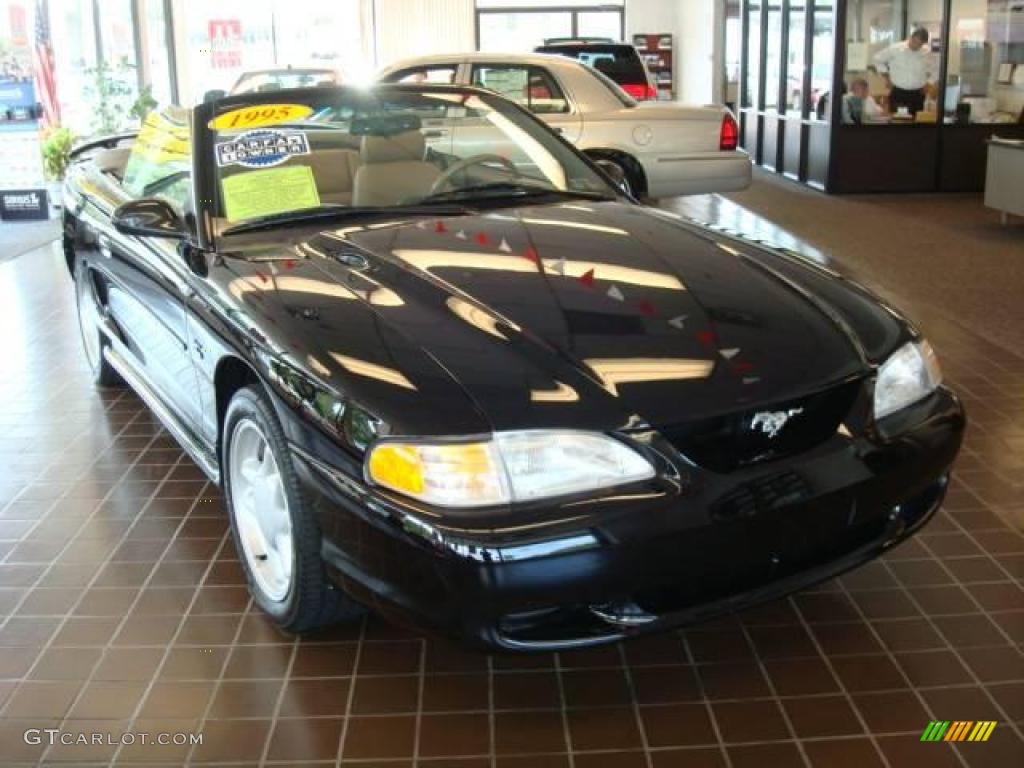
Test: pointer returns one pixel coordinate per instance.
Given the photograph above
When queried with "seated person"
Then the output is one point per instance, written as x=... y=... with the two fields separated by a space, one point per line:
x=858 y=106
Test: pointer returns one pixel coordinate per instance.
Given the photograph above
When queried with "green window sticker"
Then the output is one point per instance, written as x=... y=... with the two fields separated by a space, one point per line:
x=274 y=190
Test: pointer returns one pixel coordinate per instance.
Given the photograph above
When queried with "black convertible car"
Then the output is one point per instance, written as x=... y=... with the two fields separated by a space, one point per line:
x=442 y=366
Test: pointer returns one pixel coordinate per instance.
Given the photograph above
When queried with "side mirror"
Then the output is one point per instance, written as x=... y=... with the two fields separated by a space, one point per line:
x=216 y=93
x=149 y=217
x=614 y=172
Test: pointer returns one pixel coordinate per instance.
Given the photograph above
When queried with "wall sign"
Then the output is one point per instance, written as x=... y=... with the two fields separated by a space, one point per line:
x=24 y=205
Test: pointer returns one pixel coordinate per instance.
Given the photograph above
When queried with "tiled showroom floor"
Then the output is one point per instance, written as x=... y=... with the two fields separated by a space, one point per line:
x=122 y=607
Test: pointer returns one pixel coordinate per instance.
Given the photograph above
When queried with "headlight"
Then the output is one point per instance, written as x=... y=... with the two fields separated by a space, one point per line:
x=910 y=374
x=509 y=467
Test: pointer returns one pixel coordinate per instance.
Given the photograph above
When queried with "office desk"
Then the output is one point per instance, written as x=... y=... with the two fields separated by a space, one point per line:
x=1004 y=178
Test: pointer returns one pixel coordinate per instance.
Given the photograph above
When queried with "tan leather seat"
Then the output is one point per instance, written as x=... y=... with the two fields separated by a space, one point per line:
x=334 y=171
x=393 y=170
x=113 y=161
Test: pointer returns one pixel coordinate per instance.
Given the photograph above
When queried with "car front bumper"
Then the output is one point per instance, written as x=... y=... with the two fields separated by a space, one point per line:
x=597 y=570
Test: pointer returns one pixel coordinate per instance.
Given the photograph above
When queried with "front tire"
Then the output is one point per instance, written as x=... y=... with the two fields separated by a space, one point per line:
x=275 y=532
x=93 y=340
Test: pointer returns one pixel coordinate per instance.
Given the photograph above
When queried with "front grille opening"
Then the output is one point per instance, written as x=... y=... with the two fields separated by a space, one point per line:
x=725 y=443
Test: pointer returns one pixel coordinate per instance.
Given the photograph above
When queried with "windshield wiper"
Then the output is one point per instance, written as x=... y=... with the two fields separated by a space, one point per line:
x=325 y=212
x=507 y=189
x=166 y=181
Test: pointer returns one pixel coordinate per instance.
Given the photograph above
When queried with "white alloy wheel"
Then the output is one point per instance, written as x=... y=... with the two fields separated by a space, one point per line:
x=261 y=511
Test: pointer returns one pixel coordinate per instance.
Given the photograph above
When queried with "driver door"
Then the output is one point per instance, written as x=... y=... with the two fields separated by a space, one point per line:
x=149 y=281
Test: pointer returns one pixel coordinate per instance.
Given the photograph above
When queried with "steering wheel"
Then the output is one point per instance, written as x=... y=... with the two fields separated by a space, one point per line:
x=444 y=180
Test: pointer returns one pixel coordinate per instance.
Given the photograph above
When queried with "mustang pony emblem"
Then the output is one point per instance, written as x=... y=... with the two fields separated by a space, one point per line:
x=772 y=422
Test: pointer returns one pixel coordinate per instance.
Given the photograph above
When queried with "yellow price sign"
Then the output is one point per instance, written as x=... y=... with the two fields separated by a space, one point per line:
x=260 y=116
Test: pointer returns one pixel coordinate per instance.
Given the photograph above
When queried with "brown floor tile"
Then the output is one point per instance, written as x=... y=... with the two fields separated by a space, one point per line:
x=603 y=729
x=947 y=703
x=526 y=690
x=305 y=739
x=794 y=677
x=390 y=657
x=453 y=693
x=969 y=631
x=868 y=673
x=66 y=664
x=86 y=631
x=309 y=698
x=718 y=645
x=905 y=752
x=665 y=685
x=193 y=663
x=733 y=680
x=677 y=725
x=932 y=668
x=846 y=638
x=386 y=695
x=379 y=737
x=128 y=664
x=742 y=721
x=909 y=634
x=1010 y=697
x=335 y=660
x=843 y=753
x=260 y=661
x=814 y=717
x=101 y=700
x=782 y=755
x=42 y=700
x=459 y=734
x=234 y=740
x=528 y=732
x=237 y=698
x=891 y=712
x=595 y=688
x=147 y=630
x=176 y=700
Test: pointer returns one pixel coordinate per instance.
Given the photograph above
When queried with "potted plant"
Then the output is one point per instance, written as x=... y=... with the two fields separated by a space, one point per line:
x=56 y=148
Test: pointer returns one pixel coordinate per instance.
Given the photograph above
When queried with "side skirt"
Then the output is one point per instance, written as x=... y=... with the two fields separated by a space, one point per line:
x=206 y=460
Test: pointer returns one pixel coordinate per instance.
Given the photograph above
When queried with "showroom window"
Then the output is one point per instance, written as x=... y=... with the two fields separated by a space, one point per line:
x=531 y=87
x=231 y=37
x=985 y=77
x=520 y=26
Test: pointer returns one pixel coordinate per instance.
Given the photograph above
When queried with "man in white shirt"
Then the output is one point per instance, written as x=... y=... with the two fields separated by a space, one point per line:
x=908 y=70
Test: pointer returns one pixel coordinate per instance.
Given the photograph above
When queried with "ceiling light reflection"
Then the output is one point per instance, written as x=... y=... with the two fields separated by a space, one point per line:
x=373 y=371
x=429 y=260
x=633 y=370
x=562 y=393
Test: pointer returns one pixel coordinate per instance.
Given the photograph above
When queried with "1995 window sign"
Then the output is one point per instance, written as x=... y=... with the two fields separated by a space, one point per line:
x=51 y=736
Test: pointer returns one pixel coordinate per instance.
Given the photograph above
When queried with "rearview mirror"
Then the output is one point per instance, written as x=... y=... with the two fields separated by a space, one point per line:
x=149 y=217
x=614 y=173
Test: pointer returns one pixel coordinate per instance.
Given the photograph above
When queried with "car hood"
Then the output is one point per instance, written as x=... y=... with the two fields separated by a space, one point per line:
x=589 y=315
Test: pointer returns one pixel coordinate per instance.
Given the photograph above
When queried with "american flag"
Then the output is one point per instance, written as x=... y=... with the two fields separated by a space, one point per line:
x=46 y=81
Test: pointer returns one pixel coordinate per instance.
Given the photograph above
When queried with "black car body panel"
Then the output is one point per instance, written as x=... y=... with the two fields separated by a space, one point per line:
x=540 y=316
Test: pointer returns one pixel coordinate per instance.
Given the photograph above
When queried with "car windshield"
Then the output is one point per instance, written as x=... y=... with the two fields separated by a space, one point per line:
x=317 y=152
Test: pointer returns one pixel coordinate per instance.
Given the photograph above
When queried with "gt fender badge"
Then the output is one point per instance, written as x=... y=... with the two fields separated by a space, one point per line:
x=772 y=422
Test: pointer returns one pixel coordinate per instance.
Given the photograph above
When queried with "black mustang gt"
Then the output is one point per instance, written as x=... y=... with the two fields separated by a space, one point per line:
x=442 y=366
